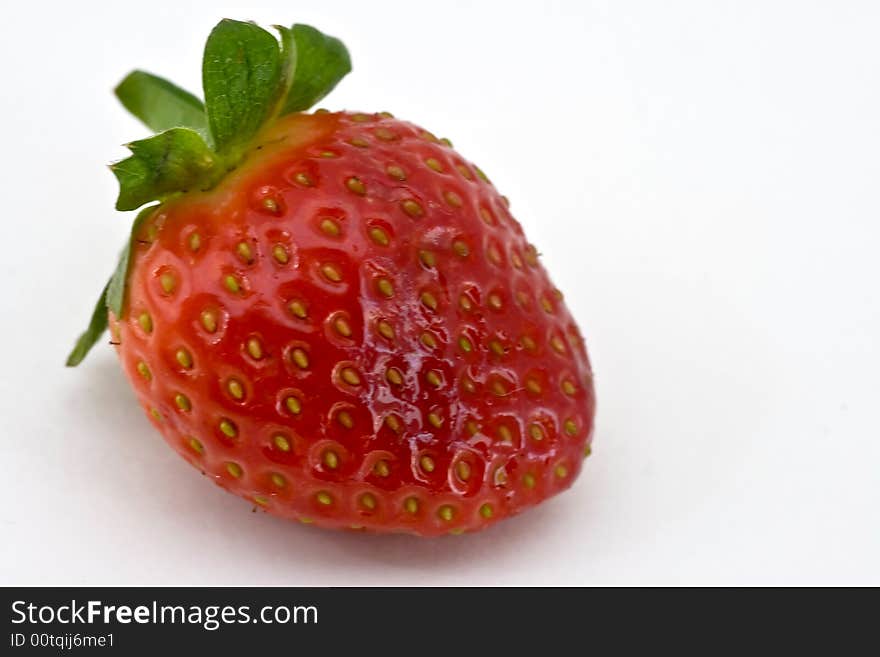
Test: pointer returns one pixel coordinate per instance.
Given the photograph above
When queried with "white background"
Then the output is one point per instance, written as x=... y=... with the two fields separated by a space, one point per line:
x=703 y=179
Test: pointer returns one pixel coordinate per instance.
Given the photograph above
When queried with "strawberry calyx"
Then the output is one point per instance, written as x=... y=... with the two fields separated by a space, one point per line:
x=250 y=78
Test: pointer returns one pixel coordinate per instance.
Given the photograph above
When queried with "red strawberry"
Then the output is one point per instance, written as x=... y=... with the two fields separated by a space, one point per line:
x=349 y=328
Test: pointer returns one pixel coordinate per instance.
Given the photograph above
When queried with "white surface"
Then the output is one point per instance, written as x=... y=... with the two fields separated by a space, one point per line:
x=702 y=179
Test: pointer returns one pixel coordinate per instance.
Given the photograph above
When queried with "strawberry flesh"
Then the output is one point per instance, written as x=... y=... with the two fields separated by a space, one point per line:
x=352 y=330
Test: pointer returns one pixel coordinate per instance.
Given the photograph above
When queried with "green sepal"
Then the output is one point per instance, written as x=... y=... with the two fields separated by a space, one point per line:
x=117 y=286
x=321 y=62
x=112 y=296
x=241 y=70
x=176 y=160
x=96 y=328
x=248 y=80
x=160 y=104
x=288 y=66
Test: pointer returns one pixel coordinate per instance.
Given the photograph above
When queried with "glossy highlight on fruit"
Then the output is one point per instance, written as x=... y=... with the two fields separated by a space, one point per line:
x=350 y=329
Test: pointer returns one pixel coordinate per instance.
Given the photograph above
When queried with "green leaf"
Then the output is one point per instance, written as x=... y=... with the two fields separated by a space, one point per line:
x=112 y=296
x=172 y=161
x=241 y=71
x=115 y=297
x=160 y=104
x=321 y=62
x=288 y=65
x=89 y=337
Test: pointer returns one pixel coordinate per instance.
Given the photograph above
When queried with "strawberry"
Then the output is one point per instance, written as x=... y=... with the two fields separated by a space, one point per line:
x=335 y=315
